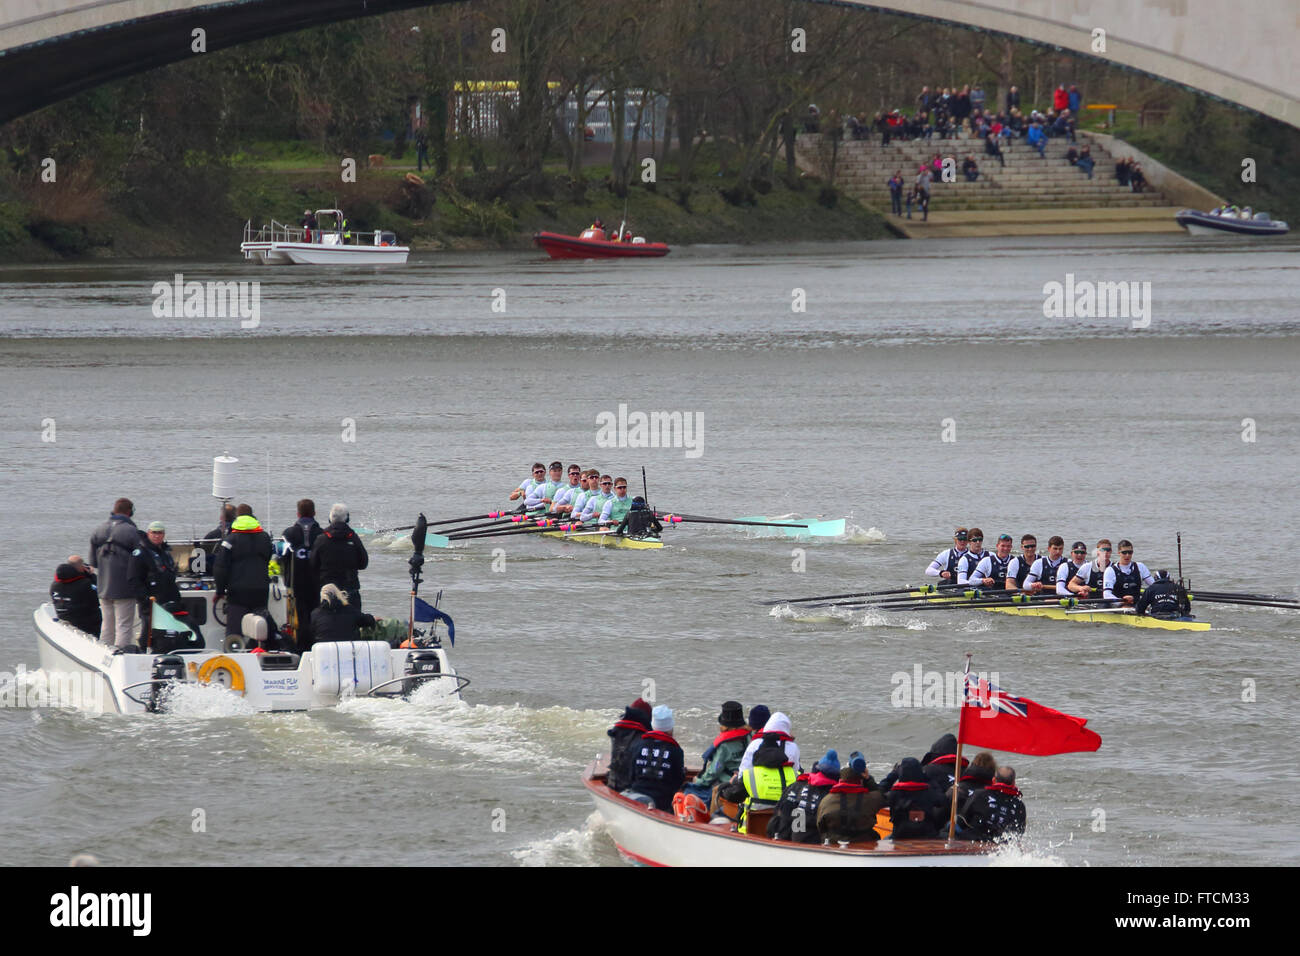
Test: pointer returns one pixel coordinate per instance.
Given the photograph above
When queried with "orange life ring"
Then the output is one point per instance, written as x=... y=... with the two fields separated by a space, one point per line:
x=224 y=672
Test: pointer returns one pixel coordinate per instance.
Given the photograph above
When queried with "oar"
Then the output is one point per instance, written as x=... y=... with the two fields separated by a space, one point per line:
x=504 y=532
x=436 y=524
x=1234 y=595
x=499 y=522
x=924 y=588
x=1195 y=596
x=697 y=519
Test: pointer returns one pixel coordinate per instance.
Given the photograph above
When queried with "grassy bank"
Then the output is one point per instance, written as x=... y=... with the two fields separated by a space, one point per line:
x=280 y=180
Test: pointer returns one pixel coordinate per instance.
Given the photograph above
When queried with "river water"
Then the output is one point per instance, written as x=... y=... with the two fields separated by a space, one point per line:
x=920 y=387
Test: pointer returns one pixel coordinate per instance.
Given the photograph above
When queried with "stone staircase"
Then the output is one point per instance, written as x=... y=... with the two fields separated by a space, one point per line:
x=1029 y=195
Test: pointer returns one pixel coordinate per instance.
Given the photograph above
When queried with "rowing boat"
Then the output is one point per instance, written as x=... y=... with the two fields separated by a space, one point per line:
x=606 y=538
x=1086 y=615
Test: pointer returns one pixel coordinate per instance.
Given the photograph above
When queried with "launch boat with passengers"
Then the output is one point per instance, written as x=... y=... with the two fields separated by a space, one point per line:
x=332 y=242
x=396 y=660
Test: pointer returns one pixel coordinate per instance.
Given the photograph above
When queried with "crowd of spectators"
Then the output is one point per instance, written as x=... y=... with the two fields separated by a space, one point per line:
x=967 y=114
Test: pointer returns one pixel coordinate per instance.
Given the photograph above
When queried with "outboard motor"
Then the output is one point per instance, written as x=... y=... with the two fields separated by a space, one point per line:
x=170 y=669
x=420 y=666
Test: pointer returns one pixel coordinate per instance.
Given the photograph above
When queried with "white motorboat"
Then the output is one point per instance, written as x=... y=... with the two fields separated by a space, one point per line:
x=80 y=672
x=330 y=243
x=1229 y=222
x=658 y=838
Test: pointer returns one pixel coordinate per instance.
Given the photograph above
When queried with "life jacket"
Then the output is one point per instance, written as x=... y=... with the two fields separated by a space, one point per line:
x=909 y=809
x=998 y=570
x=954 y=559
x=796 y=813
x=1047 y=570
x=1127 y=582
x=1022 y=570
x=849 y=817
x=972 y=559
x=1072 y=570
x=1097 y=577
x=650 y=762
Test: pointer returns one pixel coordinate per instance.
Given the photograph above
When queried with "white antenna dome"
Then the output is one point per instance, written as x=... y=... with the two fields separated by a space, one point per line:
x=223 y=477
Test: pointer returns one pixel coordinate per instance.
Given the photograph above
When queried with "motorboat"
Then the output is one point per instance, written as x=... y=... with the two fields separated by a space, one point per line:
x=193 y=649
x=1228 y=221
x=595 y=243
x=332 y=242
x=659 y=838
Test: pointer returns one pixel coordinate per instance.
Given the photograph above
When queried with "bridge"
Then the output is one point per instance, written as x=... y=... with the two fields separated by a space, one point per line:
x=1238 y=51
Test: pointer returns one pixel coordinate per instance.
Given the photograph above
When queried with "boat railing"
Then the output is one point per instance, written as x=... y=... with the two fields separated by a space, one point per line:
x=280 y=232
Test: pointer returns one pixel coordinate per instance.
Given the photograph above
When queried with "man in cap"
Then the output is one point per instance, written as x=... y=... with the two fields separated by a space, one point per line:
x=153 y=571
x=848 y=813
x=974 y=554
x=657 y=762
x=722 y=759
x=945 y=563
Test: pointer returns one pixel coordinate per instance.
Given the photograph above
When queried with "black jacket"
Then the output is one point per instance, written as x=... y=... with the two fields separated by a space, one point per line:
x=75 y=599
x=153 y=572
x=992 y=812
x=916 y=809
x=622 y=736
x=336 y=621
x=337 y=556
x=658 y=767
x=241 y=561
x=800 y=801
x=1165 y=599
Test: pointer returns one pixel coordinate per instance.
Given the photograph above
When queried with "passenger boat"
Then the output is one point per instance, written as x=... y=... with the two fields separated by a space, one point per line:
x=279 y=244
x=1085 y=615
x=659 y=838
x=1212 y=224
x=593 y=244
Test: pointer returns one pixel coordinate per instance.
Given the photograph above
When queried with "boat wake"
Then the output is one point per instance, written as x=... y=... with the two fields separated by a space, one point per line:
x=567 y=848
x=854 y=617
x=856 y=534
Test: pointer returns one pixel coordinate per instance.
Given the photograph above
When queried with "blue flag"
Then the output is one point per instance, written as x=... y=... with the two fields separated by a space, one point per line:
x=424 y=612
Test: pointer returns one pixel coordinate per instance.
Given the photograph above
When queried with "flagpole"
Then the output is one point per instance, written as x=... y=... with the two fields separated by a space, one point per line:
x=148 y=635
x=956 y=770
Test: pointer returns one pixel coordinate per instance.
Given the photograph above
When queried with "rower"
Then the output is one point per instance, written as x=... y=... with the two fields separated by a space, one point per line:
x=1092 y=575
x=528 y=484
x=974 y=554
x=639 y=521
x=1124 y=581
x=1165 y=599
x=1018 y=567
x=945 y=562
x=563 y=503
x=616 y=508
x=991 y=572
x=543 y=494
x=594 y=506
x=1070 y=569
x=1043 y=572
x=590 y=485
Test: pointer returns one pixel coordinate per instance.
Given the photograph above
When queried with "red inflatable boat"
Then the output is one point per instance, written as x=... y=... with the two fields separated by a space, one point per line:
x=592 y=244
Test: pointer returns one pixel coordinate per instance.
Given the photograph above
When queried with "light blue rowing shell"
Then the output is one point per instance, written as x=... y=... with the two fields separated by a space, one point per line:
x=813 y=529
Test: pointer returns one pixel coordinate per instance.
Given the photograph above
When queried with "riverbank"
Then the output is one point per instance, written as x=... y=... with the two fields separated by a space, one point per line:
x=428 y=212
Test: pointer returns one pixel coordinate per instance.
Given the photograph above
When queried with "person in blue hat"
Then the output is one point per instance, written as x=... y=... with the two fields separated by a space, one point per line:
x=796 y=813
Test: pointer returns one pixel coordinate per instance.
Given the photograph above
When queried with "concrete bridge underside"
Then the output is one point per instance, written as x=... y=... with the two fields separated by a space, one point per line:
x=1239 y=52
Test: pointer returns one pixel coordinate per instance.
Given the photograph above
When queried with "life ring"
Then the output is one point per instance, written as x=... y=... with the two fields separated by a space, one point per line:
x=224 y=672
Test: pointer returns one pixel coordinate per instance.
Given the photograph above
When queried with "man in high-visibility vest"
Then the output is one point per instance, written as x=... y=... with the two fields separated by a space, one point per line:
x=770 y=773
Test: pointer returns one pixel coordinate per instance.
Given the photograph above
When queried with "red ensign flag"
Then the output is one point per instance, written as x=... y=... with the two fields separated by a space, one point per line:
x=998 y=721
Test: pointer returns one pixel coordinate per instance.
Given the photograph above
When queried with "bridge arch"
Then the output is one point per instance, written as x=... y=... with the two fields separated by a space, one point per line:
x=1241 y=53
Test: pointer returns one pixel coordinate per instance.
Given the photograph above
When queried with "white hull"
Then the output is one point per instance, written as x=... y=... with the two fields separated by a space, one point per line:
x=319 y=254
x=91 y=677
x=656 y=838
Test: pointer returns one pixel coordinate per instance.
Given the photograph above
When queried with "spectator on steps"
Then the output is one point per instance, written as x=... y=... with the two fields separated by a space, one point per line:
x=1013 y=99
x=991 y=147
x=1135 y=177
x=1074 y=100
x=1060 y=99
x=1085 y=161
x=896 y=193
x=1122 y=171
x=970 y=170
x=1037 y=139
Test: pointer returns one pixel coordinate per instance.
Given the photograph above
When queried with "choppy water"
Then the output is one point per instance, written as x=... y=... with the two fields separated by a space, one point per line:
x=1078 y=427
